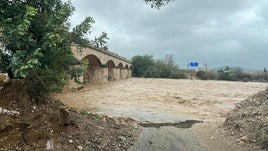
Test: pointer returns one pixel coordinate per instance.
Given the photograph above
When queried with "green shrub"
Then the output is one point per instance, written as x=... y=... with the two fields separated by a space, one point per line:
x=147 y=67
x=179 y=74
x=258 y=76
x=207 y=75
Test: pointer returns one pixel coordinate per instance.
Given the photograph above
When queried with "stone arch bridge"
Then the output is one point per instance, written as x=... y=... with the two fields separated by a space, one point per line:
x=103 y=65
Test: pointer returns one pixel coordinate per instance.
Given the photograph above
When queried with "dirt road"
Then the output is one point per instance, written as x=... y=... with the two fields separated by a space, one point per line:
x=164 y=101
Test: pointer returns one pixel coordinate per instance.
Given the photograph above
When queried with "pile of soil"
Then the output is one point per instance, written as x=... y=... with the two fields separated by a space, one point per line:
x=249 y=120
x=46 y=124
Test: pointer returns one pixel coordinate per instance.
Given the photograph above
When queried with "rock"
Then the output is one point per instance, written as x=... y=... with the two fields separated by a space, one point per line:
x=9 y=112
x=49 y=145
x=4 y=126
x=80 y=147
x=4 y=79
x=70 y=141
x=244 y=139
x=241 y=143
x=122 y=138
x=34 y=107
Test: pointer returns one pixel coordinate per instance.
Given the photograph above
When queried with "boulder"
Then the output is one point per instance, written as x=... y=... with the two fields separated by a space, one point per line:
x=4 y=79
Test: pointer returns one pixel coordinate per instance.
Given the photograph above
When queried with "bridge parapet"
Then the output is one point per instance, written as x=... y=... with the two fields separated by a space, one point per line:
x=103 y=55
x=112 y=54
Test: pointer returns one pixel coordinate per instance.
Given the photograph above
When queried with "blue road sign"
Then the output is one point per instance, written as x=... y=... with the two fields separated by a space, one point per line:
x=194 y=64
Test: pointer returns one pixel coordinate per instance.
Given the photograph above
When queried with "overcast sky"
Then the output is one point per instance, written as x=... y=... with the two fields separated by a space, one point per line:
x=216 y=32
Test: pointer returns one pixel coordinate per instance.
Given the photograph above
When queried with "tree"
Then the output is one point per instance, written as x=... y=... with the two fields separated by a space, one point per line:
x=169 y=60
x=157 y=3
x=232 y=74
x=146 y=66
x=166 y=66
x=142 y=66
x=78 y=33
x=101 y=41
x=265 y=74
x=36 y=42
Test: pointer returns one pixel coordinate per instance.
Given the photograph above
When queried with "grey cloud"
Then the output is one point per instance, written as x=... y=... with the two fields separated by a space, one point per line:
x=216 y=32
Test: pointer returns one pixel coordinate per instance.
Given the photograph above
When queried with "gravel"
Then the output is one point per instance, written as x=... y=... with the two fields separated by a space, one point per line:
x=249 y=120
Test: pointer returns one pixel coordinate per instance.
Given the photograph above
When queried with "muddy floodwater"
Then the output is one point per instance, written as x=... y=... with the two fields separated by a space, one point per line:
x=161 y=100
x=164 y=101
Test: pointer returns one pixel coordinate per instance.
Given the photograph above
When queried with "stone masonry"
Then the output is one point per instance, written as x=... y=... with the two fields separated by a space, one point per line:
x=103 y=66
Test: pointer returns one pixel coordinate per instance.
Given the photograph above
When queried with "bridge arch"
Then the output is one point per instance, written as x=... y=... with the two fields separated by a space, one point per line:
x=120 y=67
x=93 y=60
x=126 y=66
x=95 y=73
x=111 y=67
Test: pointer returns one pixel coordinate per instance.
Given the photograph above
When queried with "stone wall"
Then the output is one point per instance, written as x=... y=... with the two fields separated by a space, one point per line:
x=111 y=74
x=116 y=74
x=96 y=75
x=126 y=73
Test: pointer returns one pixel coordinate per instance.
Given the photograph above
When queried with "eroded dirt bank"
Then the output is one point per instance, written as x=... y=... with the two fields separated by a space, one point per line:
x=166 y=101
x=28 y=124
